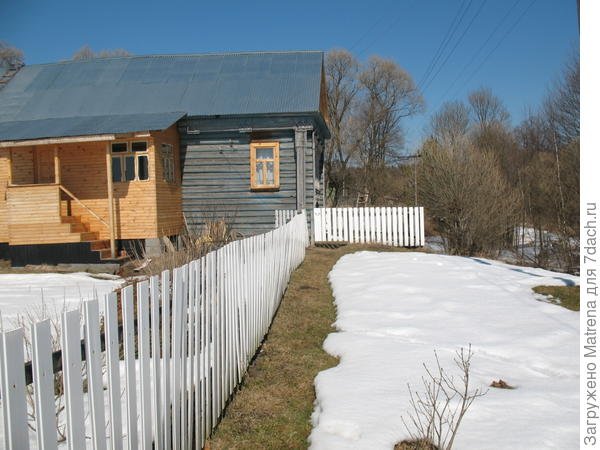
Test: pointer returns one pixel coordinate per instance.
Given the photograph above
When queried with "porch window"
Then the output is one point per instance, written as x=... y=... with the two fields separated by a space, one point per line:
x=264 y=165
x=168 y=162
x=129 y=161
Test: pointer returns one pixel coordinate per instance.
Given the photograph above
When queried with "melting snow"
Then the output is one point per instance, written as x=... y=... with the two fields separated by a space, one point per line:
x=394 y=309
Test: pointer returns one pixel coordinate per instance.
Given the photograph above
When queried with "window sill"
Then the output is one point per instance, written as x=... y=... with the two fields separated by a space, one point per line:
x=265 y=189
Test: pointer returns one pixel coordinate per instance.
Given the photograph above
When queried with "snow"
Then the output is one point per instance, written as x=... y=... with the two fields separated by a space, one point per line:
x=23 y=293
x=395 y=309
x=47 y=295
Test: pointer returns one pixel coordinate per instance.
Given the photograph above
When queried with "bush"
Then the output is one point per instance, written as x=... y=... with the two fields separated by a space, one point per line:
x=467 y=198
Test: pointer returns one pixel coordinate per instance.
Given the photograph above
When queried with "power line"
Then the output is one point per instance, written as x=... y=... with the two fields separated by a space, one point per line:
x=476 y=54
x=512 y=27
x=468 y=27
x=389 y=27
x=445 y=40
x=366 y=33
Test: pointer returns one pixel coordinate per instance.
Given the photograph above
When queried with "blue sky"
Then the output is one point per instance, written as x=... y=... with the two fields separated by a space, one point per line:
x=528 y=55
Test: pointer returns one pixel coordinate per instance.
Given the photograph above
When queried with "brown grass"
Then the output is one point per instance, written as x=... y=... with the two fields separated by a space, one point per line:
x=273 y=406
x=565 y=296
x=420 y=444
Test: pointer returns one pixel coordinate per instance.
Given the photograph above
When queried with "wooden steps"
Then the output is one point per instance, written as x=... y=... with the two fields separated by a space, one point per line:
x=70 y=229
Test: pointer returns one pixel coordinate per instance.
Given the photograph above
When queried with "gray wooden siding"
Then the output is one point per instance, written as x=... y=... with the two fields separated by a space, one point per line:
x=216 y=181
x=216 y=172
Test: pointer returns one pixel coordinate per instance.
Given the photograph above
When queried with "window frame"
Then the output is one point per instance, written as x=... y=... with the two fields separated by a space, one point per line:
x=254 y=185
x=129 y=153
x=171 y=158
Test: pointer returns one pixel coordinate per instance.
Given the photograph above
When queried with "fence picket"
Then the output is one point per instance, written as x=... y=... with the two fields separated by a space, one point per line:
x=13 y=391
x=156 y=378
x=111 y=337
x=95 y=386
x=411 y=224
x=421 y=227
x=317 y=223
x=43 y=389
x=176 y=355
x=198 y=382
x=191 y=327
x=167 y=388
x=71 y=347
x=345 y=224
x=143 y=322
x=130 y=376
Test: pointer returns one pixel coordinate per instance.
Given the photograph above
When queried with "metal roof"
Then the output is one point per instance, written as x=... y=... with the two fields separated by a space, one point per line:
x=86 y=125
x=80 y=92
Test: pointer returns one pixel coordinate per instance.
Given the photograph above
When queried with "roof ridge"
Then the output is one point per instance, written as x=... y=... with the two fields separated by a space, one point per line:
x=173 y=55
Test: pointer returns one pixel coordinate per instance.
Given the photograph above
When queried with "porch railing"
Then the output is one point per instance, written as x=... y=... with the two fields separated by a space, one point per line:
x=87 y=208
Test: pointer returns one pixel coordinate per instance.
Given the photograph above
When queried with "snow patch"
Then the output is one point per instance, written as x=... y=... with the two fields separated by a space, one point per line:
x=394 y=309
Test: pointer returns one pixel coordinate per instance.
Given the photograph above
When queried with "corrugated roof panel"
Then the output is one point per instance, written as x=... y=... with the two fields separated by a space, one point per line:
x=87 y=125
x=200 y=85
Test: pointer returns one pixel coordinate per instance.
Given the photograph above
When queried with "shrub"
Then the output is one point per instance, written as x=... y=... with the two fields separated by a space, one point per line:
x=467 y=198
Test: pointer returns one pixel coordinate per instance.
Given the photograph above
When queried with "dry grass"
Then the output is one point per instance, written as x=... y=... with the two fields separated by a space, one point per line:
x=273 y=406
x=565 y=296
x=415 y=445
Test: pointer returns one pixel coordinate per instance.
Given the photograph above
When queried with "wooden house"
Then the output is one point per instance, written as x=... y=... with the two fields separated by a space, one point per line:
x=101 y=156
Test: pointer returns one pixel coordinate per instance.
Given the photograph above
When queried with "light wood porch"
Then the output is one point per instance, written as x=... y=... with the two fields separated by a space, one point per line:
x=37 y=215
x=46 y=211
x=87 y=190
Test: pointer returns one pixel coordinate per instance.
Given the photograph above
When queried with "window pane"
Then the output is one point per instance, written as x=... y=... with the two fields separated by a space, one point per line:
x=142 y=167
x=116 y=169
x=270 y=174
x=170 y=171
x=139 y=146
x=264 y=153
x=129 y=168
x=259 y=173
x=119 y=147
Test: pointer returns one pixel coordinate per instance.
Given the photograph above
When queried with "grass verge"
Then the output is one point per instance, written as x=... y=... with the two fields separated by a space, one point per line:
x=565 y=296
x=272 y=408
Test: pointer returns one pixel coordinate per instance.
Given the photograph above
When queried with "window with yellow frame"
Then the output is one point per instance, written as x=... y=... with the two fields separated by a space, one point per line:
x=264 y=165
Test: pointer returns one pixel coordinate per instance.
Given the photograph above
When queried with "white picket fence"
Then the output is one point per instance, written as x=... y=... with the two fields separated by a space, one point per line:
x=283 y=216
x=396 y=226
x=184 y=349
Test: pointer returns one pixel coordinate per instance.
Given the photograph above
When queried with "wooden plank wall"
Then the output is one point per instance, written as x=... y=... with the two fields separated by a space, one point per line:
x=168 y=195
x=4 y=162
x=216 y=181
x=216 y=176
x=33 y=204
x=83 y=168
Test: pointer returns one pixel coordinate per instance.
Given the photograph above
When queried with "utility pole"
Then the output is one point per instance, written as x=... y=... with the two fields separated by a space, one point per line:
x=414 y=158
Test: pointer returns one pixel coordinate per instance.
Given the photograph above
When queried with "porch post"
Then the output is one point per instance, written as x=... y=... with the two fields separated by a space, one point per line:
x=10 y=161
x=56 y=166
x=111 y=211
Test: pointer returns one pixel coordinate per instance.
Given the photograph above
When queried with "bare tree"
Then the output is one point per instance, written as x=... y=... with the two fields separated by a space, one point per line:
x=561 y=107
x=86 y=52
x=10 y=57
x=390 y=94
x=549 y=173
x=450 y=125
x=488 y=110
x=341 y=70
